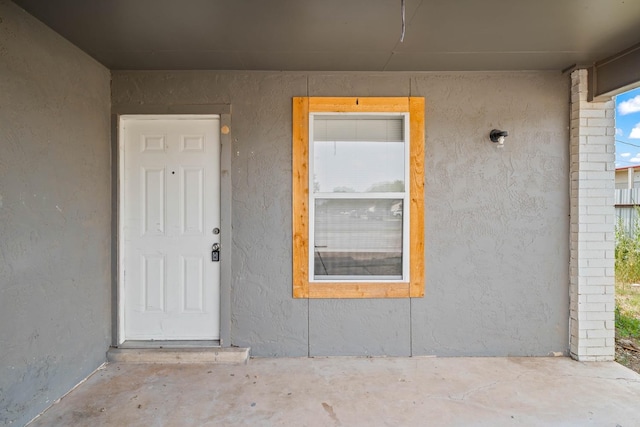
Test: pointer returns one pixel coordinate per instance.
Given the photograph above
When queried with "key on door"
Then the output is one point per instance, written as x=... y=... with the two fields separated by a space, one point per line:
x=215 y=252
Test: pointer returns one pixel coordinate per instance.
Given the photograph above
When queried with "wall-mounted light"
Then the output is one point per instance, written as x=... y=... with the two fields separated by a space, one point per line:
x=498 y=136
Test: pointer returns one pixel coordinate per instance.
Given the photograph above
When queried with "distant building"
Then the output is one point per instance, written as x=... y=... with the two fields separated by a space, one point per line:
x=628 y=177
x=627 y=197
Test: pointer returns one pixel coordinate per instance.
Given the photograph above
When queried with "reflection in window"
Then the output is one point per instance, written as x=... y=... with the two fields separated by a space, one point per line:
x=359 y=175
x=356 y=167
x=359 y=238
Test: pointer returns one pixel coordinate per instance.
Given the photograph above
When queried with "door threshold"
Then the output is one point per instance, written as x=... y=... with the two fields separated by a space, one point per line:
x=210 y=355
x=139 y=344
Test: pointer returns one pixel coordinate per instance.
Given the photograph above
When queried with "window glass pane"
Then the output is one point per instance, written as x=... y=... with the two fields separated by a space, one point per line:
x=358 y=167
x=350 y=128
x=358 y=238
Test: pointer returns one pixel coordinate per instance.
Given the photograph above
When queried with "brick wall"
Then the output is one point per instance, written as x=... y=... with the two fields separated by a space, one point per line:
x=592 y=303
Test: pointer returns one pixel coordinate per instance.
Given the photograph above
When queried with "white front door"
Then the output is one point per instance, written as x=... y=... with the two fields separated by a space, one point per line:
x=170 y=220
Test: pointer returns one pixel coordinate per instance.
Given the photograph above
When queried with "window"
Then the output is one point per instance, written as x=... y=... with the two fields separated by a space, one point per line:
x=358 y=197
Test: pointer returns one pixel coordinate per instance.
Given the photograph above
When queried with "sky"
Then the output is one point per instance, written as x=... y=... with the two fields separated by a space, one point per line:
x=628 y=129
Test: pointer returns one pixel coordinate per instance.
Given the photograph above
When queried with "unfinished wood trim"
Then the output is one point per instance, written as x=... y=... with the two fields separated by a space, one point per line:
x=358 y=290
x=416 y=194
x=302 y=287
x=355 y=105
x=300 y=187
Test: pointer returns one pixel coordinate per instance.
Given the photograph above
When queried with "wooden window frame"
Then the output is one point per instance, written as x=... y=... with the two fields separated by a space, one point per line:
x=302 y=286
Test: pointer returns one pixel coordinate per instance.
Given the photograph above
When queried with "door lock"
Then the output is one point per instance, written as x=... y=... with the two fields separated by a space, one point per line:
x=215 y=252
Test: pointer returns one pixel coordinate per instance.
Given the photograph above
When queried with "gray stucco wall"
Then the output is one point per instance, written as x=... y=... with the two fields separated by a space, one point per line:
x=54 y=215
x=496 y=220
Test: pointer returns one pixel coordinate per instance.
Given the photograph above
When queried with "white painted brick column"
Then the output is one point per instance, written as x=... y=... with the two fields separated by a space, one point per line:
x=591 y=288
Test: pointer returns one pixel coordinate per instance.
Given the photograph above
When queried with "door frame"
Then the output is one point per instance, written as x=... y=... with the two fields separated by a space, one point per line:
x=223 y=111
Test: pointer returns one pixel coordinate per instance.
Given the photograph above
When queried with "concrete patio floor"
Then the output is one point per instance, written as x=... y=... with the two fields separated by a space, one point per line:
x=346 y=391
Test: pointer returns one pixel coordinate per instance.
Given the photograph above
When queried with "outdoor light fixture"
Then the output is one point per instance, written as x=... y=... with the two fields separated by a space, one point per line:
x=498 y=136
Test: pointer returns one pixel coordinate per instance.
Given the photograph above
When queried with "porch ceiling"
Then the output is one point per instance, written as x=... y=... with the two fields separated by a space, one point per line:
x=343 y=35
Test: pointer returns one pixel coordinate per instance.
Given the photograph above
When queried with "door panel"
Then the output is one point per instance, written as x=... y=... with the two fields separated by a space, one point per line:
x=171 y=205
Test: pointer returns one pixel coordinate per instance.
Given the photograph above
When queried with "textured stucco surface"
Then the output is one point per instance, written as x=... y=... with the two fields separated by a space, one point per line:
x=54 y=215
x=496 y=220
x=355 y=327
